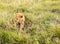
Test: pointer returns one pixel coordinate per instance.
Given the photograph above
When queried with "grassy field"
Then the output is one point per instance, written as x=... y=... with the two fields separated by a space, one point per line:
x=42 y=25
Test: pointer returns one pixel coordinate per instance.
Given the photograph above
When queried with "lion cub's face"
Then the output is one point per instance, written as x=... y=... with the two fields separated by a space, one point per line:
x=19 y=17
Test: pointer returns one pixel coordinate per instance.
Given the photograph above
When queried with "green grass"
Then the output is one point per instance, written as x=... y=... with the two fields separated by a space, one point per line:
x=42 y=25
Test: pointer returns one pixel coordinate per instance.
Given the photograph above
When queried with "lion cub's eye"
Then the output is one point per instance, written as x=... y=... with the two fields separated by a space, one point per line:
x=21 y=16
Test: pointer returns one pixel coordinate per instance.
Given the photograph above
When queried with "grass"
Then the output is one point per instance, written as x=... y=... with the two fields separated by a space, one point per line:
x=42 y=25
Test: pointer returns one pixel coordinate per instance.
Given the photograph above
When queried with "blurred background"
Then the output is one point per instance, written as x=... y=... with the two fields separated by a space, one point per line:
x=42 y=25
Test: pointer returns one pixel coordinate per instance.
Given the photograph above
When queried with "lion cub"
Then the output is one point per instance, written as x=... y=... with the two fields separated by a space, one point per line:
x=19 y=20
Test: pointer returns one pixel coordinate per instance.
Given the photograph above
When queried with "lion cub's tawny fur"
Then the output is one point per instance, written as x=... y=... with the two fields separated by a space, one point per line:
x=19 y=19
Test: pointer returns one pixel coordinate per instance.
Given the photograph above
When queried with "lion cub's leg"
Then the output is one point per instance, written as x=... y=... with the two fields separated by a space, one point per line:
x=22 y=26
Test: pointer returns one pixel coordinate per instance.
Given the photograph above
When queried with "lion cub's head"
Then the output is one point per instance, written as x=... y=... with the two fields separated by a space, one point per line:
x=19 y=17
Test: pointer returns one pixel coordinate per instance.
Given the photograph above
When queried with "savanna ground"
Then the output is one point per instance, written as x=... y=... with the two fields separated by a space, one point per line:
x=42 y=25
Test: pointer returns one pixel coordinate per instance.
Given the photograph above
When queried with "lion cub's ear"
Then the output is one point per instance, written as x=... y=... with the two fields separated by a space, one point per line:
x=21 y=16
